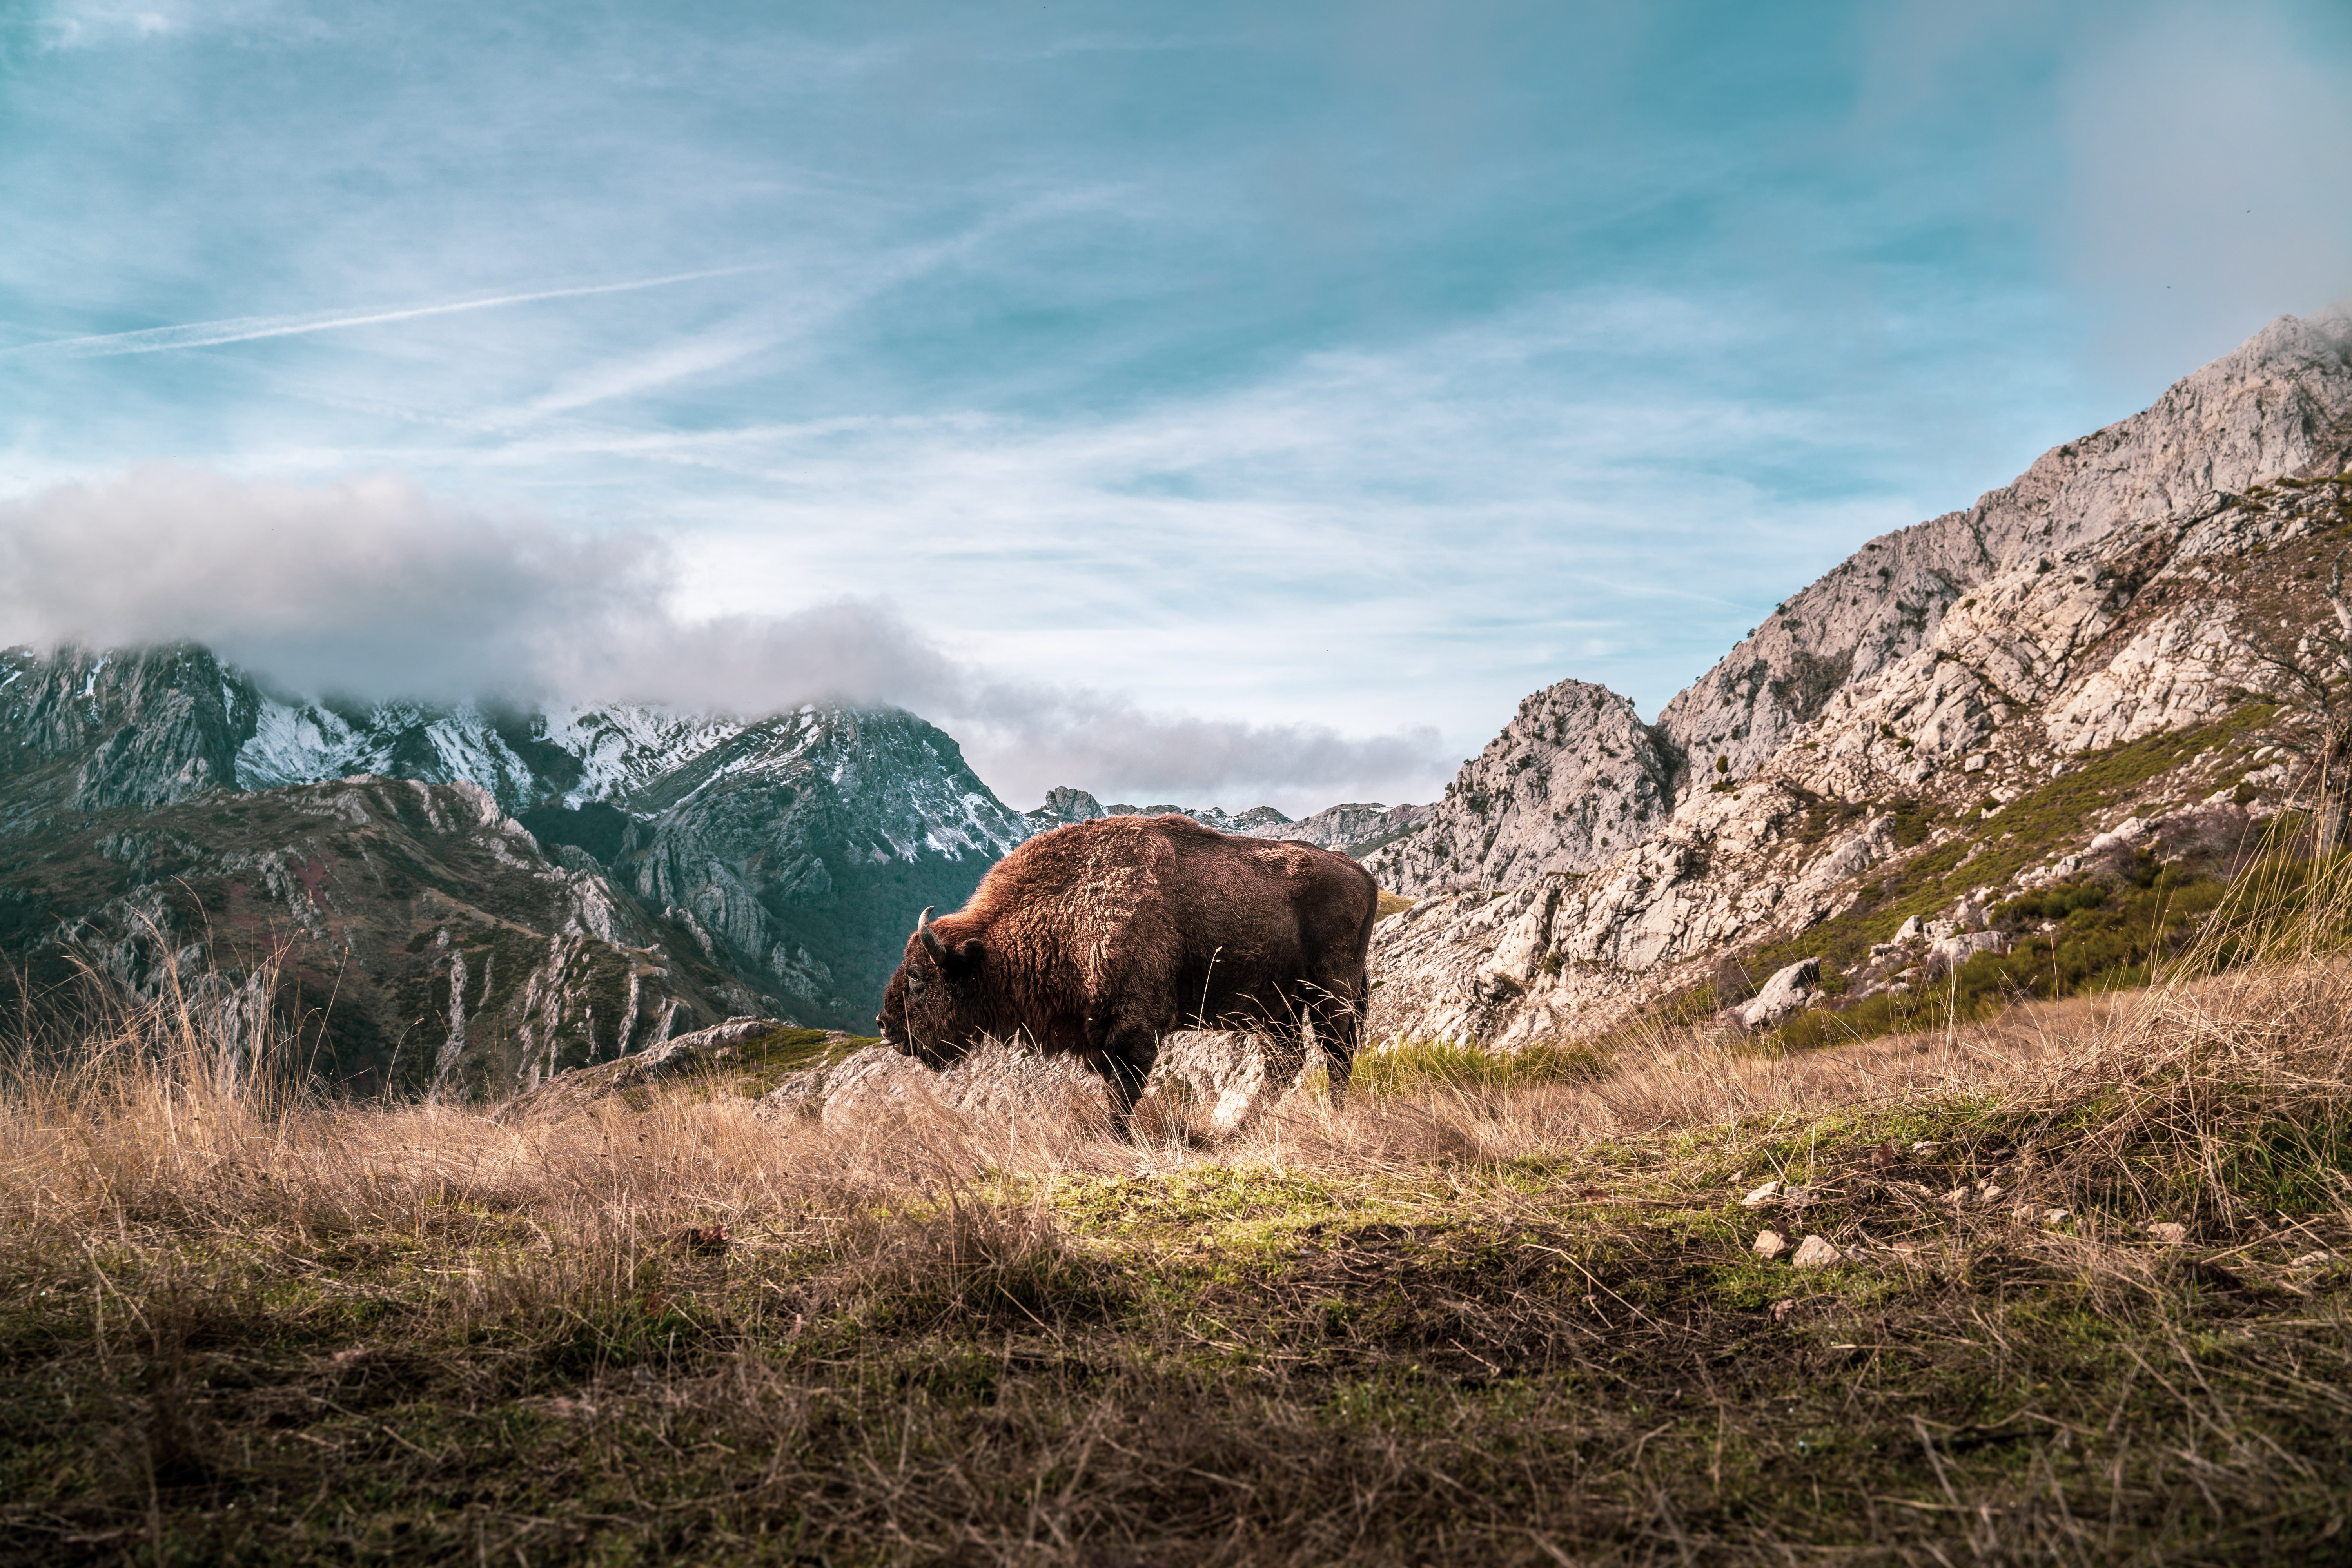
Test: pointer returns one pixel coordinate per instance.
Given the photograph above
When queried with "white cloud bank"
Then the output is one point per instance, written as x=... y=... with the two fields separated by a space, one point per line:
x=375 y=588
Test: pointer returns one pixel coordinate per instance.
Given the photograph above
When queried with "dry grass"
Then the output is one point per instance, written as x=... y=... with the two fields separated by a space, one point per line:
x=1513 y=1323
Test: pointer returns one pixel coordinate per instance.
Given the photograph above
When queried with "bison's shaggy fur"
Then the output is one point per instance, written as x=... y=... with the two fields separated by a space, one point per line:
x=1097 y=938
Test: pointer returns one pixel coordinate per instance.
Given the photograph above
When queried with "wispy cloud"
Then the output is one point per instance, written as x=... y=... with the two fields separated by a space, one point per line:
x=806 y=307
x=247 y=328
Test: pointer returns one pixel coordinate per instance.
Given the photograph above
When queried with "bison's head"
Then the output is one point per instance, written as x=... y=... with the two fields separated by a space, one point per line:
x=931 y=1008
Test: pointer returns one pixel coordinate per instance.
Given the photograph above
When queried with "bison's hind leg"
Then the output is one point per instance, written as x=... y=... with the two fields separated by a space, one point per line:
x=1336 y=1019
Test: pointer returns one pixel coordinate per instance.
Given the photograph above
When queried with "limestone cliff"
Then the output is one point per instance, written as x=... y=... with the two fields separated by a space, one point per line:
x=2280 y=404
x=1948 y=717
x=1574 y=778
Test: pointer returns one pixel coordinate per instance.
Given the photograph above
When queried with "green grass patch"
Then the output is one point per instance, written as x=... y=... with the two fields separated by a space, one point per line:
x=2105 y=939
x=776 y=1055
x=1989 y=852
x=1417 y=1065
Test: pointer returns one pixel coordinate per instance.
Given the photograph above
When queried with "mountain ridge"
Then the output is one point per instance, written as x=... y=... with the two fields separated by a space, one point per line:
x=1352 y=827
x=1837 y=771
x=781 y=858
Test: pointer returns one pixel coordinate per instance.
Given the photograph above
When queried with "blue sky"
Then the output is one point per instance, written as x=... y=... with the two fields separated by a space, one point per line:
x=1206 y=402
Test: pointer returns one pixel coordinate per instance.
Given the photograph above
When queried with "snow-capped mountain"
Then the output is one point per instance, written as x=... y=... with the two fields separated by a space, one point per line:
x=572 y=754
x=791 y=853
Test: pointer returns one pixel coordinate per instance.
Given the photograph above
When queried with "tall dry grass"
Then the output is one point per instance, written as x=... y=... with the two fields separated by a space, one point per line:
x=910 y=1337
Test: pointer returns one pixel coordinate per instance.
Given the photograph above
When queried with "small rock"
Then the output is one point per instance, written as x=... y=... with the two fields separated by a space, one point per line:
x=1782 y=1309
x=1815 y=1252
x=2022 y=1214
x=1990 y=1193
x=1761 y=1195
x=2055 y=1217
x=2313 y=1260
x=1785 y=994
x=2131 y=831
x=1905 y=1249
x=1923 y=1147
x=2169 y=1234
x=1955 y=948
x=1910 y=930
x=1769 y=1244
x=1957 y=1196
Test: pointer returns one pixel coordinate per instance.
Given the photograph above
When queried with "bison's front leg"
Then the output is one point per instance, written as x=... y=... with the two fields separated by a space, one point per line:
x=1128 y=1066
x=1124 y=1053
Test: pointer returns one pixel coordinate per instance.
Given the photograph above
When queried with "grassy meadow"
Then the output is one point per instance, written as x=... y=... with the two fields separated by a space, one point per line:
x=1484 y=1314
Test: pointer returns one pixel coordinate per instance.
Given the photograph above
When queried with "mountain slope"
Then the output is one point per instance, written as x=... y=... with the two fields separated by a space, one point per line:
x=1354 y=827
x=2102 y=620
x=2279 y=404
x=805 y=846
x=410 y=936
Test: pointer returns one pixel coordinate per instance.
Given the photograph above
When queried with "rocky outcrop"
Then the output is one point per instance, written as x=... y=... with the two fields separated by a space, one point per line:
x=2275 y=407
x=1573 y=778
x=1783 y=994
x=1203 y=1085
x=1064 y=805
x=2103 y=599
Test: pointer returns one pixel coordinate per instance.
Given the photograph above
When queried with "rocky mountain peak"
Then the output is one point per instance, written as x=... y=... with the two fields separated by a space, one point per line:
x=2103 y=668
x=1574 y=778
x=1357 y=826
x=95 y=730
x=1354 y=827
x=1064 y=805
x=2279 y=404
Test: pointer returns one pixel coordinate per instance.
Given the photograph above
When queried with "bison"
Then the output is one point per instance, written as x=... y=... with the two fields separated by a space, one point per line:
x=1097 y=938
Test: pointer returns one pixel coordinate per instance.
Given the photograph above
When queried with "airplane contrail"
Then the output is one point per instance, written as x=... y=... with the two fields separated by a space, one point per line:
x=244 y=328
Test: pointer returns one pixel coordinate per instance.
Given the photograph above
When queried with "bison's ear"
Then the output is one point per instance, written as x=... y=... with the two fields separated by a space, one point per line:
x=961 y=959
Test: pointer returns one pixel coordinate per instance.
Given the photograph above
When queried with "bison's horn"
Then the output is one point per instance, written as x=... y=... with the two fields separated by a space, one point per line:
x=931 y=942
